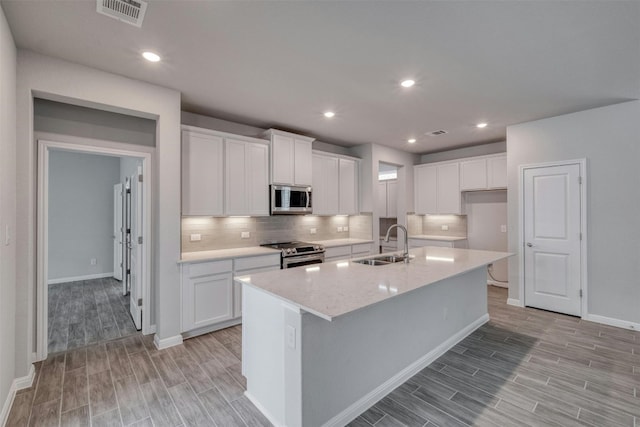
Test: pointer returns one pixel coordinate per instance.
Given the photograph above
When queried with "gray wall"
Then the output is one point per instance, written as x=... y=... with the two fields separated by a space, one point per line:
x=74 y=120
x=7 y=209
x=476 y=150
x=608 y=138
x=81 y=214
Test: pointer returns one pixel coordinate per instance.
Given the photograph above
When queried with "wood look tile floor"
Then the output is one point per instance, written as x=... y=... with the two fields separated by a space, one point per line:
x=524 y=367
x=87 y=312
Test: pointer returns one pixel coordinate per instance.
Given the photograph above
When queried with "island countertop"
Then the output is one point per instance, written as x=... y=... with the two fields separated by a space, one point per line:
x=337 y=288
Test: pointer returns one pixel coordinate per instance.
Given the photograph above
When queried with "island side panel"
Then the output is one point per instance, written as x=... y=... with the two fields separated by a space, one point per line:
x=345 y=360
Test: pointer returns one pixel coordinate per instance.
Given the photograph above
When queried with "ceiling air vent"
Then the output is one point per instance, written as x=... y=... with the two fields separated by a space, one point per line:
x=129 y=11
x=436 y=133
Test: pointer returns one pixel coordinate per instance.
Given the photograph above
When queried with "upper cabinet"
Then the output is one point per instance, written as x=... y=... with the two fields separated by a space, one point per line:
x=291 y=158
x=437 y=188
x=388 y=199
x=202 y=173
x=335 y=185
x=483 y=173
x=224 y=174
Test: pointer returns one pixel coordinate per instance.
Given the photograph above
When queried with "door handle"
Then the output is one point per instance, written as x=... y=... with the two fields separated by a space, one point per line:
x=530 y=245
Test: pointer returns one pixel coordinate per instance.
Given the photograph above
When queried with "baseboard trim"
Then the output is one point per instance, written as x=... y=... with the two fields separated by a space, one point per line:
x=152 y=330
x=163 y=343
x=79 y=278
x=349 y=414
x=610 y=321
x=212 y=328
x=514 y=302
x=17 y=384
x=260 y=408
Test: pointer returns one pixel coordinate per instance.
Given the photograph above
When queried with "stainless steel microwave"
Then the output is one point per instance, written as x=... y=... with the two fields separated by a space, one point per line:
x=290 y=200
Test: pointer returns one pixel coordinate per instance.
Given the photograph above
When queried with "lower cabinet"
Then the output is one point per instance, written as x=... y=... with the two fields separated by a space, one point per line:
x=358 y=250
x=210 y=298
x=419 y=243
x=207 y=294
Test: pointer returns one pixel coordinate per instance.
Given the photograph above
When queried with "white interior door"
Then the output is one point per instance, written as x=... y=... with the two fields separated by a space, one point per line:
x=117 y=234
x=552 y=254
x=135 y=274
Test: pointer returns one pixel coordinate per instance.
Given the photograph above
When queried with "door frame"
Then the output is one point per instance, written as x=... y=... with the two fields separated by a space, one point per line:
x=45 y=146
x=582 y=163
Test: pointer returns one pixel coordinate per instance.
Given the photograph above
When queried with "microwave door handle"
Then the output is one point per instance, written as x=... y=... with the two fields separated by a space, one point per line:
x=308 y=198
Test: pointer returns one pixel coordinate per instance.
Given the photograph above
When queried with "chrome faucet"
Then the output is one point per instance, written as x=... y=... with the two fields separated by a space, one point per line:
x=406 y=240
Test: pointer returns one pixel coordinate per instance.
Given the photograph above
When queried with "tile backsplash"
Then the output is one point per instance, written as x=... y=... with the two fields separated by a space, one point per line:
x=223 y=233
x=432 y=225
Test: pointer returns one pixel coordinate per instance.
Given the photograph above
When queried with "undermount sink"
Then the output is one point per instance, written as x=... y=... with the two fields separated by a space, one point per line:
x=381 y=260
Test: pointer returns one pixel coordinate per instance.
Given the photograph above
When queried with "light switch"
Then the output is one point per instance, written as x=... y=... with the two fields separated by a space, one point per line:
x=339 y=229
x=291 y=337
x=313 y=231
x=345 y=228
x=445 y=228
x=195 y=237
x=245 y=234
x=94 y=261
x=503 y=228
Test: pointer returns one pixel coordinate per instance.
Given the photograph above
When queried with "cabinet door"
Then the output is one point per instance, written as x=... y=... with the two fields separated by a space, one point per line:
x=497 y=172
x=426 y=189
x=237 y=287
x=448 y=189
x=392 y=199
x=257 y=178
x=348 y=194
x=235 y=178
x=381 y=201
x=207 y=300
x=202 y=184
x=325 y=185
x=473 y=175
x=282 y=155
x=303 y=165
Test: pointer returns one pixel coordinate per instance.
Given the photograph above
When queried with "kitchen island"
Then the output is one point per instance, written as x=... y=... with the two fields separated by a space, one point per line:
x=322 y=343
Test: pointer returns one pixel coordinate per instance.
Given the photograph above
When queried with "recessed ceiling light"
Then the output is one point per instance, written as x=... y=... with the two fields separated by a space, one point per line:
x=150 y=56
x=407 y=83
x=329 y=114
x=481 y=125
x=411 y=140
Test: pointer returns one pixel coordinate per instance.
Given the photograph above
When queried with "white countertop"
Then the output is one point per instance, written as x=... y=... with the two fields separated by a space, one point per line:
x=220 y=254
x=340 y=242
x=337 y=288
x=434 y=237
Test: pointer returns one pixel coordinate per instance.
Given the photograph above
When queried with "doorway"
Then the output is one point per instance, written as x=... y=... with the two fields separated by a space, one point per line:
x=554 y=237
x=80 y=299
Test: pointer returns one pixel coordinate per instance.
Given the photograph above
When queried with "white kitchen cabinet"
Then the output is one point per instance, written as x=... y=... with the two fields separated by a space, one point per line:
x=207 y=294
x=246 y=178
x=348 y=187
x=202 y=173
x=483 y=173
x=326 y=200
x=361 y=249
x=357 y=250
x=437 y=188
x=497 y=172
x=335 y=185
x=388 y=199
x=419 y=243
x=291 y=158
x=247 y=266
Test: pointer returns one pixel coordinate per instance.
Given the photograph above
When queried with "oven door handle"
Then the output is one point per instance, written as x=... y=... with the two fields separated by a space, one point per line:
x=297 y=259
x=308 y=199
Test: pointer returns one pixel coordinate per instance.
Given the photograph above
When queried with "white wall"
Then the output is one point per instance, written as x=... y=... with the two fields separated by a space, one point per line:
x=486 y=211
x=7 y=210
x=49 y=78
x=475 y=150
x=81 y=214
x=609 y=138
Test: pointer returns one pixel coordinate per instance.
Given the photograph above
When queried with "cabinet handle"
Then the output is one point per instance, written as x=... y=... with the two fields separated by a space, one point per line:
x=530 y=245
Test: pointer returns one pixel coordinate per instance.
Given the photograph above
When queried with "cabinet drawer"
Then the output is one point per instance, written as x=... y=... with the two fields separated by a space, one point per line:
x=361 y=248
x=249 y=263
x=419 y=243
x=206 y=268
x=337 y=251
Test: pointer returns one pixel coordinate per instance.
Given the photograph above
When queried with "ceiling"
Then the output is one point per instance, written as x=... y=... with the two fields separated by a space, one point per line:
x=283 y=63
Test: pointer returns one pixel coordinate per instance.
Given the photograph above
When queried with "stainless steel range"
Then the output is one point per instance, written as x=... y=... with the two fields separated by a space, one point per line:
x=296 y=254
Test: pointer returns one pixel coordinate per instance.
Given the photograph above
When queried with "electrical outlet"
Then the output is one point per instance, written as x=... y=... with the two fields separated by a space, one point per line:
x=345 y=228
x=195 y=237
x=503 y=228
x=339 y=229
x=94 y=261
x=444 y=228
x=313 y=231
x=245 y=235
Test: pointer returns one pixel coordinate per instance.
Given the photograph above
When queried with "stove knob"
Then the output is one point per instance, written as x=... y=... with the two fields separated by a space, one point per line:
x=288 y=251
x=293 y=251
